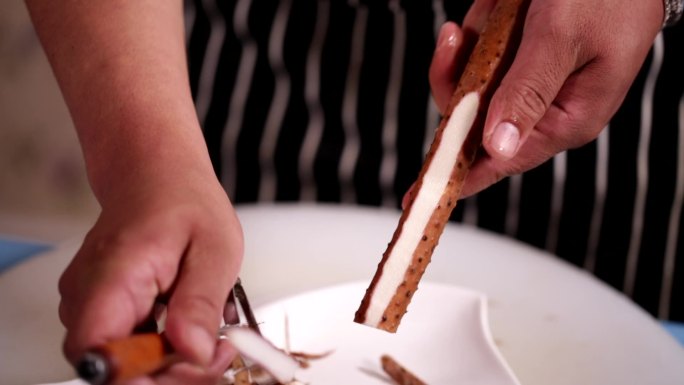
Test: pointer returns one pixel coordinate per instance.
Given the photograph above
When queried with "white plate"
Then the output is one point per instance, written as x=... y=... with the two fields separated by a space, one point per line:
x=453 y=346
x=553 y=323
x=449 y=346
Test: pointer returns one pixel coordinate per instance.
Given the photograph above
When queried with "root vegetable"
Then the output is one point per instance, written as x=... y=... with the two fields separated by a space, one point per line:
x=457 y=141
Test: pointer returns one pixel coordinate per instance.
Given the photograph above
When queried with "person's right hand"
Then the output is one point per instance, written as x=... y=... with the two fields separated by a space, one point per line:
x=175 y=239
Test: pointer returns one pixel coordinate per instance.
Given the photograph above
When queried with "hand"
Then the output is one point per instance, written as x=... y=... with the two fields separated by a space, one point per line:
x=575 y=64
x=176 y=239
x=167 y=231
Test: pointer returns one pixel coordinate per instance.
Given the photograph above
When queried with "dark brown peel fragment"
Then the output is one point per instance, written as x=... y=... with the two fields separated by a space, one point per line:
x=398 y=373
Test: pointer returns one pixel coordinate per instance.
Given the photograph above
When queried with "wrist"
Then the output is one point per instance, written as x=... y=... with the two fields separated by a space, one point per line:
x=150 y=184
x=127 y=167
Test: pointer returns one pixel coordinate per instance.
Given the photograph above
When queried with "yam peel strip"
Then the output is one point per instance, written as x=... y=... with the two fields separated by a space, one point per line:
x=398 y=373
x=439 y=186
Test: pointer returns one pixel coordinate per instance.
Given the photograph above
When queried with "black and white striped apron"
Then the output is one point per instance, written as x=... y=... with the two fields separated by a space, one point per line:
x=328 y=100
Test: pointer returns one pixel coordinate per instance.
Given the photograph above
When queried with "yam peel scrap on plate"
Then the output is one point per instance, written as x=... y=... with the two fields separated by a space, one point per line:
x=398 y=373
x=258 y=361
x=457 y=141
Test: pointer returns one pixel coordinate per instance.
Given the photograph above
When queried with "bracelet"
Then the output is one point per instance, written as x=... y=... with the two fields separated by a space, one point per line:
x=673 y=12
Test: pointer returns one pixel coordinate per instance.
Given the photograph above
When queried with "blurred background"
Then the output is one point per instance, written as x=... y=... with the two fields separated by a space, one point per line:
x=44 y=192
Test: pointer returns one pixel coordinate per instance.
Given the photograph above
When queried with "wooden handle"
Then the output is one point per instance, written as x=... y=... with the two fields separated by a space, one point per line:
x=124 y=359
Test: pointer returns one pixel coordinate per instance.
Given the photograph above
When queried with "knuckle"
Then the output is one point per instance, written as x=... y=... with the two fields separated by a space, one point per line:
x=64 y=283
x=195 y=308
x=199 y=303
x=528 y=101
x=64 y=314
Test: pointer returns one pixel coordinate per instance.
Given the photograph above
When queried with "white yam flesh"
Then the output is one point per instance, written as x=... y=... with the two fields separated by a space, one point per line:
x=273 y=360
x=426 y=201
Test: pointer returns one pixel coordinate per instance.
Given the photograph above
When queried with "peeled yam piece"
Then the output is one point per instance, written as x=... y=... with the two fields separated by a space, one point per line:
x=457 y=141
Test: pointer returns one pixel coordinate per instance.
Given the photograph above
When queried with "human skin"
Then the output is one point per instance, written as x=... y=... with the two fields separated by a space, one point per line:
x=574 y=66
x=168 y=231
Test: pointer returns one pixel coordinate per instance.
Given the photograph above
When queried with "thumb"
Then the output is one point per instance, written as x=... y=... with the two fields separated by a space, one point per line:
x=533 y=81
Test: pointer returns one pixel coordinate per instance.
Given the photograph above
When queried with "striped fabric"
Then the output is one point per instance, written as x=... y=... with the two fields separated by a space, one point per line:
x=328 y=100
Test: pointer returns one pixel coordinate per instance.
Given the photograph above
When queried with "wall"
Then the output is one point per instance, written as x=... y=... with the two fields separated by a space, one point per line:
x=44 y=192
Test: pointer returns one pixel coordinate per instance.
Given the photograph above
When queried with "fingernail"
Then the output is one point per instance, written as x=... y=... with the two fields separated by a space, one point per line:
x=446 y=38
x=203 y=344
x=230 y=314
x=505 y=139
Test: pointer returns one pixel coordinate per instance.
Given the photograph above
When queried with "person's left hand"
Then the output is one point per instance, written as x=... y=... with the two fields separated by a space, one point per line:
x=574 y=66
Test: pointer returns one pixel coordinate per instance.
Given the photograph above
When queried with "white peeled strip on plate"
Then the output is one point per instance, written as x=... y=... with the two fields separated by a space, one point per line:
x=251 y=345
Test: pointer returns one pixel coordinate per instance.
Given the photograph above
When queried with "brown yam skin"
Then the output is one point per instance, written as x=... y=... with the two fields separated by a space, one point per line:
x=486 y=65
x=398 y=373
